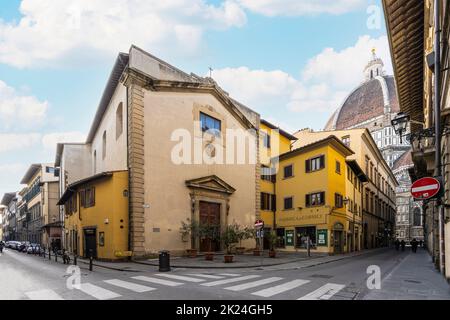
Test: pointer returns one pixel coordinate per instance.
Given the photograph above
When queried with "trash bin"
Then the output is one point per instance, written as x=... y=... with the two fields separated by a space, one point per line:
x=164 y=261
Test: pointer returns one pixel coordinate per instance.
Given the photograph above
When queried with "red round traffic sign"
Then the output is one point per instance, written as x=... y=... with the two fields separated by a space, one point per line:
x=425 y=188
x=259 y=224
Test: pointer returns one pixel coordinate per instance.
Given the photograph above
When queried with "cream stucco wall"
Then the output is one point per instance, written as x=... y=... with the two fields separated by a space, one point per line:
x=116 y=148
x=166 y=194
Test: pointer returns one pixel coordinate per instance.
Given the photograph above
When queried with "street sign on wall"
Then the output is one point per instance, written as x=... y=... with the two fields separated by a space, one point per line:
x=425 y=188
x=259 y=224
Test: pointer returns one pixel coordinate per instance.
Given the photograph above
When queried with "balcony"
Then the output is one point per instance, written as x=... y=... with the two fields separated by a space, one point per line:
x=423 y=151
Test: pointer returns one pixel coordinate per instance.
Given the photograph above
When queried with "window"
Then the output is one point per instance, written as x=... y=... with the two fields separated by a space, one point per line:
x=288 y=203
x=210 y=124
x=315 y=164
x=119 y=121
x=50 y=170
x=72 y=205
x=266 y=174
x=288 y=171
x=87 y=197
x=302 y=235
x=315 y=199
x=338 y=167
x=104 y=145
x=338 y=200
x=346 y=140
x=266 y=139
x=268 y=201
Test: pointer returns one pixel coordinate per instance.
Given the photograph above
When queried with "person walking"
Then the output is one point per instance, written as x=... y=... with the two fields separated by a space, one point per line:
x=414 y=245
x=403 y=244
x=397 y=244
x=1 y=246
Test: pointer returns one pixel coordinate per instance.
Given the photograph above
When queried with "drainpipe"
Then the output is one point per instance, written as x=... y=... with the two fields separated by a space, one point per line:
x=437 y=125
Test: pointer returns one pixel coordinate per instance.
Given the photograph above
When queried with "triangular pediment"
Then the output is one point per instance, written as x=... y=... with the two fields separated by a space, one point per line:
x=211 y=183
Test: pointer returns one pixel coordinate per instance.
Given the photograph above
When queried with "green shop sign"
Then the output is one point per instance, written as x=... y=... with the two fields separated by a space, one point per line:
x=322 y=238
x=289 y=237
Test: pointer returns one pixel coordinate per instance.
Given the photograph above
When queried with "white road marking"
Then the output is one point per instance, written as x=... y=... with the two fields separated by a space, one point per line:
x=269 y=292
x=208 y=276
x=129 y=285
x=253 y=284
x=45 y=294
x=229 y=274
x=98 y=292
x=219 y=282
x=324 y=292
x=183 y=278
x=158 y=281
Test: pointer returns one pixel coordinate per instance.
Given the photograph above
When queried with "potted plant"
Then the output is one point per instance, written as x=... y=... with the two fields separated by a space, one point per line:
x=230 y=238
x=211 y=233
x=189 y=228
x=244 y=234
x=272 y=238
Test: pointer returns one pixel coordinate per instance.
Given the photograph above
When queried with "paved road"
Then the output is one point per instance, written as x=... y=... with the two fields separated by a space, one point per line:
x=30 y=277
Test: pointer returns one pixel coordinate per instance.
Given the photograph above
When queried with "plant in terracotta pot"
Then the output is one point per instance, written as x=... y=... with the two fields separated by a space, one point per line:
x=244 y=234
x=230 y=238
x=272 y=238
x=190 y=229
x=211 y=234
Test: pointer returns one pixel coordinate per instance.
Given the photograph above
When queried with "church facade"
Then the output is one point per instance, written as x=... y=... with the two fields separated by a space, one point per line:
x=372 y=105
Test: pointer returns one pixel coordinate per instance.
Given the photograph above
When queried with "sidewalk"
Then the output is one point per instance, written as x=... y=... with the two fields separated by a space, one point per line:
x=415 y=278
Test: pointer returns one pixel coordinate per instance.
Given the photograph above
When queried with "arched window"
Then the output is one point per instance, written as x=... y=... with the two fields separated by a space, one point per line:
x=371 y=74
x=104 y=145
x=119 y=120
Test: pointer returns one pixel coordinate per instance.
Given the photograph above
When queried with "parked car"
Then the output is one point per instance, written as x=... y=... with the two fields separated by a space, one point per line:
x=14 y=245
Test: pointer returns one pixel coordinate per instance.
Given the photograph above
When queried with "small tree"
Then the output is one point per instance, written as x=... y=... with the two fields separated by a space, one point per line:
x=210 y=232
x=230 y=237
x=272 y=238
x=244 y=234
x=189 y=227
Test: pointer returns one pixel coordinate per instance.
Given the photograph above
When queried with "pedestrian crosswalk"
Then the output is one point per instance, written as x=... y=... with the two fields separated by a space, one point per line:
x=250 y=284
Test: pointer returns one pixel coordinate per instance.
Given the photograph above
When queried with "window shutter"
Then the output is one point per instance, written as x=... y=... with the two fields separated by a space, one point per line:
x=322 y=162
x=93 y=196
x=308 y=165
x=322 y=198
x=83 y=198
x=308 y=200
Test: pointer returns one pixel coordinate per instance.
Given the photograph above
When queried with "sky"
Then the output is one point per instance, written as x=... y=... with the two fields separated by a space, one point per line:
x=293 y=61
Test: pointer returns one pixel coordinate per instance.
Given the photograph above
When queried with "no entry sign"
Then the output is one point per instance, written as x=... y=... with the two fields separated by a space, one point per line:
x=259 y=224
x=425 y=188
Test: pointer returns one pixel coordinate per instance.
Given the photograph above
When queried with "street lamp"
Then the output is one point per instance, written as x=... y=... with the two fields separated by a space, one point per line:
x=400 y=122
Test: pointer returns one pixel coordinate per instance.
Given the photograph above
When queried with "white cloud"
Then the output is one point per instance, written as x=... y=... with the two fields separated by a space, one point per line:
x=50 y=140
x=51 y=31
x=11 y=142
x=20 y=111
x=321 y=87
x=302 y=7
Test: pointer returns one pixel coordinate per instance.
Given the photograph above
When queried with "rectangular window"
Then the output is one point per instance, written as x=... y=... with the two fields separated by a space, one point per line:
x=288 y=171
x=302 y=236
x=266 y=139
x=88 y=197
x=338 y=200
x=268 y=201
x=315 y=199
x=315 y=164
x=50 y=170
x=288 y=203
x=338 y=167
x=210 y=124
x=266 y=174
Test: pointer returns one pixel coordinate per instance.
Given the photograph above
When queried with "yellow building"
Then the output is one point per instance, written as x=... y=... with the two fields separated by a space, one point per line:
x=96 y=216
x=378 y=196
x=273 y=142
x=312 y=194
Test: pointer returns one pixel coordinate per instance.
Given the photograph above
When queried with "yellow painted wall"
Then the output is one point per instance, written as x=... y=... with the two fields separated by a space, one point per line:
x=111 y=204
x=279 y=145
x=326 y=180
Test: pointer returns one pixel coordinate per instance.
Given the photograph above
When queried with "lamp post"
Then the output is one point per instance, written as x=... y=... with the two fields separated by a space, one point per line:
x=400 y=123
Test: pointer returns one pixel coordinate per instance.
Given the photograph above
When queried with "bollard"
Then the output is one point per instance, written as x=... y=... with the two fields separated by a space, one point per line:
x=75 y=257
x=91 y=258
x=164 y=261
